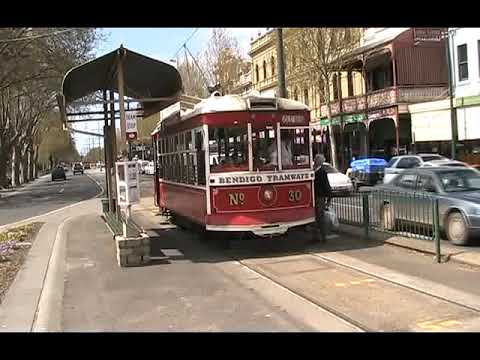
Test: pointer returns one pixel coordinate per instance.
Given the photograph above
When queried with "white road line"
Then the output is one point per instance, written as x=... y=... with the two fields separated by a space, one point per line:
x=26 y=221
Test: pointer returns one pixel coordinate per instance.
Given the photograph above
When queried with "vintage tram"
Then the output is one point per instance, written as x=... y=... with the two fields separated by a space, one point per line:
x=236 y=164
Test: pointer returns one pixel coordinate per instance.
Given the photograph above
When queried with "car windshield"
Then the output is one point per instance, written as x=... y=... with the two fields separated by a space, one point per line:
x=459 y=180
x=432 y=157
x=391 y=162
x=330 y=169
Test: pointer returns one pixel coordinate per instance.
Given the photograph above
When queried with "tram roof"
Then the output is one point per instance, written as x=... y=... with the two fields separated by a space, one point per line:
x=229 y=103
x=249 y=102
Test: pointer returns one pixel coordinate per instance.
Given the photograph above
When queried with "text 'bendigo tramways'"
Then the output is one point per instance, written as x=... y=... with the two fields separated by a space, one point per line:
x=260 y=179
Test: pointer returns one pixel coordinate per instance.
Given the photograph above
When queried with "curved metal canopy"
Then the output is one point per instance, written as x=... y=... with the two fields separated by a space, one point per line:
x=144 y=78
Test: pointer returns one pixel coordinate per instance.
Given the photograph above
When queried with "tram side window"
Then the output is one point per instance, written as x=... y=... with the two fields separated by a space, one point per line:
x=295 y=149
x=201 y=179
x=228 y=149
x=264 y=144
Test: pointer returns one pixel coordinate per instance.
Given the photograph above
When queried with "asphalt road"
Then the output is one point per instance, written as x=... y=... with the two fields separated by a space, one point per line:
x=43 y=196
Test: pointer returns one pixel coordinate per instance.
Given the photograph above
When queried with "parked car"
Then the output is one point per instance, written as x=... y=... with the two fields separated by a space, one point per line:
x=398 y=164
x=340 y=183
x=77 y=168
x=59 y=173
x=445 y=162
x=367 y=171
x=456 y=188
x=150 y=169
x=87 y=166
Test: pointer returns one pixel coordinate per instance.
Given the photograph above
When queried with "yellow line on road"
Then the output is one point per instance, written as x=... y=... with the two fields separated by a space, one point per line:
x=437 y=324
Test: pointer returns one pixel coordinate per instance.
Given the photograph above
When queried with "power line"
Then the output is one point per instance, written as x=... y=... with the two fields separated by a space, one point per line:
x=37 y=36
x=185 y=42
x=198 y=66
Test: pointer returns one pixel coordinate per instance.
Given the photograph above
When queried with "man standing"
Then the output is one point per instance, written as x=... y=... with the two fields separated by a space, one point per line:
x=323 y=194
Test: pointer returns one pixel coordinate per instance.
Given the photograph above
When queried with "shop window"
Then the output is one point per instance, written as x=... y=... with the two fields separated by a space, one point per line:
x=462 y=62
x=335 y=87
x=350 y=84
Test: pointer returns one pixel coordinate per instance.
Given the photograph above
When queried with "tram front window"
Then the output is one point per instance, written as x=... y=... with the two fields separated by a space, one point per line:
x=228 y=149
x=264 y=144
x=295 y=148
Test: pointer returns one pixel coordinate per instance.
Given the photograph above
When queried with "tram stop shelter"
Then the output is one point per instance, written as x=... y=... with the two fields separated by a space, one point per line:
x=122 y=76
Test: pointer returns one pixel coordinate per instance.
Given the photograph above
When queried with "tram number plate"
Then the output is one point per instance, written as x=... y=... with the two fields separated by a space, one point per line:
x=236 y=199
x=294 y=195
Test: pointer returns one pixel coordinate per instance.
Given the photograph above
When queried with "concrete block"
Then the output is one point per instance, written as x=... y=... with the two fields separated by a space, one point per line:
x=139 y=251
x=126 y=251
x=121 y=260
x=129 y=243
x=134 y=260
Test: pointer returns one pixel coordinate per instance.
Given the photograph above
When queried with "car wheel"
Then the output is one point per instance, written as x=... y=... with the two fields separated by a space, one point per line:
x=457 y=230
x=388 y=221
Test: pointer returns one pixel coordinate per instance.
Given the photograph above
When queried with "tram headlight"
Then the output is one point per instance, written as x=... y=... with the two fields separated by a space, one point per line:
x=268 y=195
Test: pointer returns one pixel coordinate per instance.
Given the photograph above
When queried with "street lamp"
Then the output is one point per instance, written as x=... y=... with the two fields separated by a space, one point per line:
x=453 y=112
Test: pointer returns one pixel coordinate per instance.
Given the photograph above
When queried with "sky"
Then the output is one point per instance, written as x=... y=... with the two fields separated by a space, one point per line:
x=161 y=44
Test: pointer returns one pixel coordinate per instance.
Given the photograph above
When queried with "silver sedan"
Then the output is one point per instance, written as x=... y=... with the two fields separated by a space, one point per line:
x=457 y=191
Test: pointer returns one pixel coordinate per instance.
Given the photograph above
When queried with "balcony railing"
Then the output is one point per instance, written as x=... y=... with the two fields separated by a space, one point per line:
x=265 y=83
x=387 y=97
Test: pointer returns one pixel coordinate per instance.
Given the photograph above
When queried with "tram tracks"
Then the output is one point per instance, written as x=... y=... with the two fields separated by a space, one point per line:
x=455 y=309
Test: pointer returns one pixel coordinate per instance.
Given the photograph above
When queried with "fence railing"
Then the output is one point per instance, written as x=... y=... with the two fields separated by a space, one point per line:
x=413 y=215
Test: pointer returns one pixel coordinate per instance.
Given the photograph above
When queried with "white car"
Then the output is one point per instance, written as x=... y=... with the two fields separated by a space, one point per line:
x=398 y=164
x=149 y=168
x=446 y=162
x=340 y=183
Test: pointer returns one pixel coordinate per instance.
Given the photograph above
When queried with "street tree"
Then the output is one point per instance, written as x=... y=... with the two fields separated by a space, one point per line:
x=193 y=79
x=314 y=56
x=34 y=61
x=222 y=60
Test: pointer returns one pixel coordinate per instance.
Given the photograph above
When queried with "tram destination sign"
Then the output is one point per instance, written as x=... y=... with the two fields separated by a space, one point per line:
x=292 y=120
x=231 y=179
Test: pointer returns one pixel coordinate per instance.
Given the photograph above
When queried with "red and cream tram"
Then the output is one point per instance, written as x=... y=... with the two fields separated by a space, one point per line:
x=236 y=163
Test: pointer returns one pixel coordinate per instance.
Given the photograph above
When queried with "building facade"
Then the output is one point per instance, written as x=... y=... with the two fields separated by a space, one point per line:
x=464 y=53
x=389 y=70
x=264 y=67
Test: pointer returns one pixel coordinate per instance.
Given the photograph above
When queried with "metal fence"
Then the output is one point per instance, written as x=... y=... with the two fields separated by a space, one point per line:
x=413 y=215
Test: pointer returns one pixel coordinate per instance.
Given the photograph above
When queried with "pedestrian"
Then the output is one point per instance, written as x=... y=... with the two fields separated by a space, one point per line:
x=323 y=195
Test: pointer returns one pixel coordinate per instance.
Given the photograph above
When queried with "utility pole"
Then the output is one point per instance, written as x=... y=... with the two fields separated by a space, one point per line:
x=282 y=91
x=453 y=111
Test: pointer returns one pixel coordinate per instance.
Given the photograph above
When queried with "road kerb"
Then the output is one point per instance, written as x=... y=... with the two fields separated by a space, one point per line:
x=49 y=311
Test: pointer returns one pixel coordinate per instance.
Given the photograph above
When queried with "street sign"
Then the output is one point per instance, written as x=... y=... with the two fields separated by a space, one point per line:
x=131 y=118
